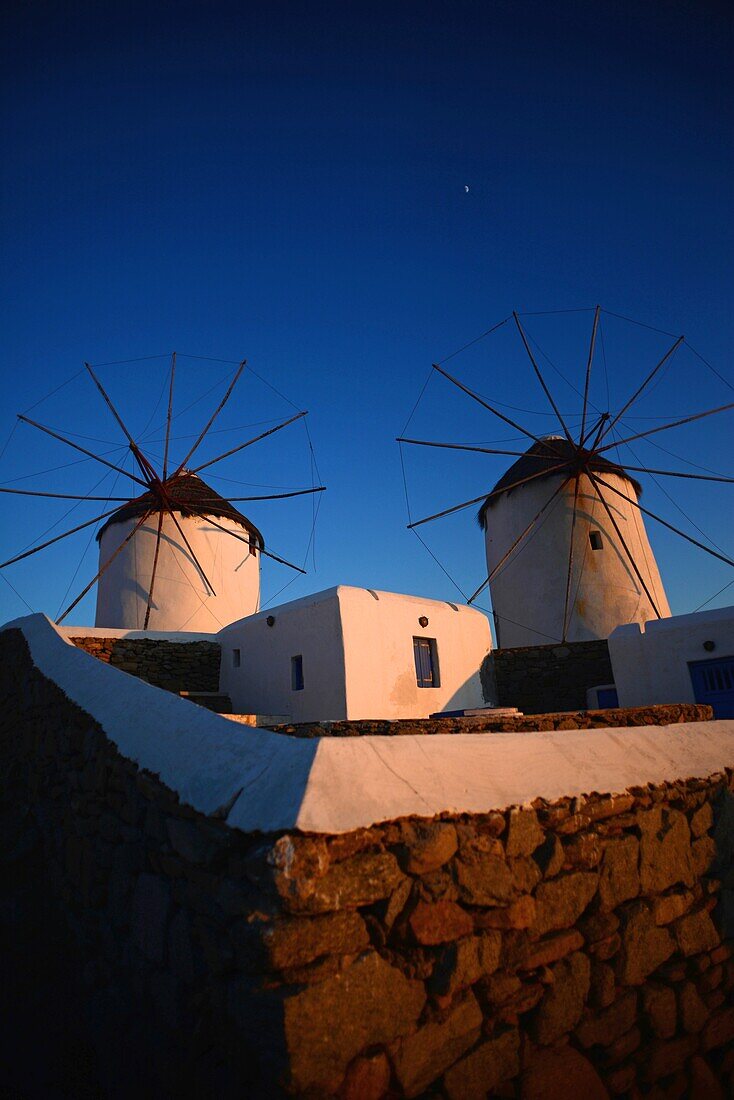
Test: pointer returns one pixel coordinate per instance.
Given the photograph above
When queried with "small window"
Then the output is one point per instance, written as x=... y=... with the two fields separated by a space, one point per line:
x=235 y=658
x=595 y=540
x=297 y=673
x=426 y=662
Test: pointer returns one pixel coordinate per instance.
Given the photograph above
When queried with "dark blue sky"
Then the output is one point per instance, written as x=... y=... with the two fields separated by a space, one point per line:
x=287 y=182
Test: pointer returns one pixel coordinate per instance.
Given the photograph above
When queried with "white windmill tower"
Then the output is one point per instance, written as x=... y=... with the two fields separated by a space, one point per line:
x=201 y=580
x=568 y=555
x=585 y=565
x=178 y=556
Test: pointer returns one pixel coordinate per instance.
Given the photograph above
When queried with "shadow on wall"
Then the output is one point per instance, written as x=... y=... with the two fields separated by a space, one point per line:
x=543 y=678
x=458 y=700
x=722 y=863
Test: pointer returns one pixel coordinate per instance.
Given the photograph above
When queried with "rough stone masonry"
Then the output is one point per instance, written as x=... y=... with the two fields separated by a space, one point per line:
x=577 y=948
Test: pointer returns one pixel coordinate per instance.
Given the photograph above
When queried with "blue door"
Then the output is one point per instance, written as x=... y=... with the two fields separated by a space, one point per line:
x=713 y=683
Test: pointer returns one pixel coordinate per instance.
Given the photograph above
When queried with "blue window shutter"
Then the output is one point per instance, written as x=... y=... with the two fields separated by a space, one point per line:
x=423 y=652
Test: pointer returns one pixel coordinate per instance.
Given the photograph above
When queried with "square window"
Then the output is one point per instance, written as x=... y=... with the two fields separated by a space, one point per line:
x=236 y=658
x=297 y=673
x=595 y=540
x=425 y=653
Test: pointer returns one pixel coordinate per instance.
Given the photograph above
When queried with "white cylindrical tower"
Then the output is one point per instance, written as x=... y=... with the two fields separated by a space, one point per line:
x=529 y=588
x=182 y=599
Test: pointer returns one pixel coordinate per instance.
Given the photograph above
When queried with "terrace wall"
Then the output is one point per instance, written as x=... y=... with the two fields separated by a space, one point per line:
x=581 y=946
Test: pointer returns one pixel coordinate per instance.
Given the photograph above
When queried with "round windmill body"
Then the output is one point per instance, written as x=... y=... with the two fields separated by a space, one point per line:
x=568 y=556
x=612 y=578
x=203 y=579
x=176 y=556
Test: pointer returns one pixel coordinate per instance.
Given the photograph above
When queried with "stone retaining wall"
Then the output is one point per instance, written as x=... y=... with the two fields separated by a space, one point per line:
x=175 y=666
x=658 y=715
x=577 y=948
x=549 y=677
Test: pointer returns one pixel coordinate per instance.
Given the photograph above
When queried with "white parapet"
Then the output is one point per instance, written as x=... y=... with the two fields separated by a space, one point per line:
x=263 y=781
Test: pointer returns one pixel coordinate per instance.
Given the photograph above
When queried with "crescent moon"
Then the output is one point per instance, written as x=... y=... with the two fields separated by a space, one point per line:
x=466 y=189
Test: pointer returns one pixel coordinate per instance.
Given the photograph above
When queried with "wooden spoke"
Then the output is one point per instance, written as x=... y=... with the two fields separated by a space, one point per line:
x=664 y=522
x=106 y=566
x=169 y=509
x=260 y=549
x=518 y=540
x=671 y=351
x=540 y=378
x=213 y=417
x=570 y=553
x=495 y=412
x=84 y=451
x=276 y=557
x=467 y=447
x=149 y=603
x=679 y=473
x=58 y=538
x=58 y=496
x=168 y=418
x=479 y=590
x=590 y=360
x=620 y=536
x=664 y=427
x=145 y=467
x=271 y=496
x=599 y=429
x=487 y=496
x=249 y=443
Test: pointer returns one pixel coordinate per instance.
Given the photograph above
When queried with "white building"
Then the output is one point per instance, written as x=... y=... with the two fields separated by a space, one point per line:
x=354 y=653
x=182 y=598
x=529 y=589
x=683 y=659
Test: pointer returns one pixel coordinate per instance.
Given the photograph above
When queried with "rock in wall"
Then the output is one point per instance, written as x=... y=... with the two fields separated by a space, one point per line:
x=660 y=714
x=577 y=948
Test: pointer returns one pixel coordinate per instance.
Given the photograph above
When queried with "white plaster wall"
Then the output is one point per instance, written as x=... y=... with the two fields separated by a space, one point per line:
x=181 y=599
x=261 y=781
x=651 y=665
x=529 y=590
x=357 y=648
x=379 y=628
x=262 y=684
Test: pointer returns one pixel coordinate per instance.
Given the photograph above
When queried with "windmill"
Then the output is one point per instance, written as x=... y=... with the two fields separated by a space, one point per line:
x=568 y=557
x=176 y=555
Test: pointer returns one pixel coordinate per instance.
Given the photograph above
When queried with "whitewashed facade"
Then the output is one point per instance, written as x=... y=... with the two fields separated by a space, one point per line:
x=683 y=659
x=355 y=653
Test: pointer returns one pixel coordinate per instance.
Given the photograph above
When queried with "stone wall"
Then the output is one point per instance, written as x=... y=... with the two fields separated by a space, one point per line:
x=661 y=714
x=549 y=677
x=582 y=947
x=175 y=666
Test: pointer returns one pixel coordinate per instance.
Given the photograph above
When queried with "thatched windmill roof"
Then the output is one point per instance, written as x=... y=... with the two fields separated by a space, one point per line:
x=190 y=496
x=557 y=451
